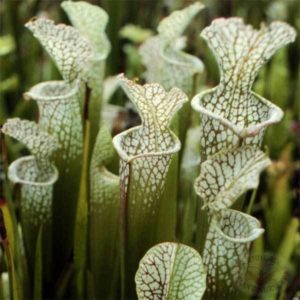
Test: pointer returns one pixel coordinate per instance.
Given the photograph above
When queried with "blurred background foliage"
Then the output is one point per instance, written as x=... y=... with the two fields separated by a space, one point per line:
x=23 y=63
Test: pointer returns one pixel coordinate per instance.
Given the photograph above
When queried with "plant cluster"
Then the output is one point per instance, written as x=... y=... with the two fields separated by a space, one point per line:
x=86 y=231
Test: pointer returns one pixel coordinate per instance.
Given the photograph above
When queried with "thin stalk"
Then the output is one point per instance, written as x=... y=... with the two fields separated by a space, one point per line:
x=251 y=202
x=81 y=227
x=283 y=256
x=38 y=268
x=6 y=225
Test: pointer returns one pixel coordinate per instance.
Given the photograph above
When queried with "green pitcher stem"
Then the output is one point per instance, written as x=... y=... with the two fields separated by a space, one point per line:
x=104 y=219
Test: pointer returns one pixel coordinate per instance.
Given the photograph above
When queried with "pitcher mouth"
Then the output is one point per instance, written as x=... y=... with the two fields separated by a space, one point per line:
x=128 y=158
x=275 y=115
x=16 y=176
x=54 y=90
x=189 y=61
x=254 y=232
